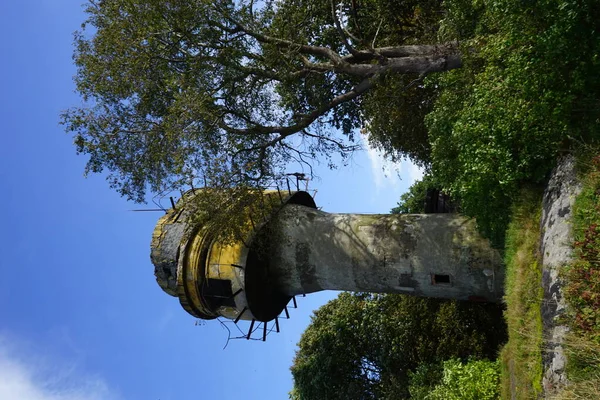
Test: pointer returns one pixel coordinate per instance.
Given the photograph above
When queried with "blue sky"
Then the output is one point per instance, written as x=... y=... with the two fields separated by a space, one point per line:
x=81 y=316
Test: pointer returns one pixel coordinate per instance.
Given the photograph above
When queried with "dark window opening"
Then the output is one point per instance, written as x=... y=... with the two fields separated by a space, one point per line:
x=405 y=280
x=441 y=279
x=217 y=293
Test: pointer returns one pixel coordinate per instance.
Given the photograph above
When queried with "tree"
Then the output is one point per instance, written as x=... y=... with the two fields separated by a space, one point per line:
x=227 y=94
x=425 y=196
x=413 y=201
x=364 y=346
x=395 y=111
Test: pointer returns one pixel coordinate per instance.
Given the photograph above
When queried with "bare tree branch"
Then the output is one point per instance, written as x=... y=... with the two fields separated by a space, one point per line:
x=300 y=160
x=400 y=52
x=341 y=32
x=308 y=119
x=376 y=33
x=302 y=48
x=342 y=147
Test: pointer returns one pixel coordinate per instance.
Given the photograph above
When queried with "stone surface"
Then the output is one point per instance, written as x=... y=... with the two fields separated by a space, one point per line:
x=429 y=255
x=165 y=256
x=556 y=251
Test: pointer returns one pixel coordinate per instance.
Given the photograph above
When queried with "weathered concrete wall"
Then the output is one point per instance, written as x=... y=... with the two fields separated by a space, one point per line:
x=164 y=251
x=556 y=250
x=313 y=250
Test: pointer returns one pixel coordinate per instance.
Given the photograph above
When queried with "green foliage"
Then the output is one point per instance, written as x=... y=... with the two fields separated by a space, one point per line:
x=474 y=380
x=210 y=93
x=583 y=368
x=395 y=109
x=363 y=346
x=413 y=201
x=582 y=290
x=423 y=380
x=396 y=118
x=522 y=355
x=407 y=22
x=530 y=81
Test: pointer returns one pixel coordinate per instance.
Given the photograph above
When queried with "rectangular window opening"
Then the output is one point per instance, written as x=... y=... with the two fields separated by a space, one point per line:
x=437 y=279
x=217 y=292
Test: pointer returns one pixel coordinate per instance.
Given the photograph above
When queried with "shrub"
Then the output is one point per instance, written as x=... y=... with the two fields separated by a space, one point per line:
x=530 y=81
x=474 y=380
x=583 y=276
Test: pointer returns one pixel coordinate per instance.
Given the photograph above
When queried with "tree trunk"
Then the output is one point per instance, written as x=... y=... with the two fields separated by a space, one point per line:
x=420 y=65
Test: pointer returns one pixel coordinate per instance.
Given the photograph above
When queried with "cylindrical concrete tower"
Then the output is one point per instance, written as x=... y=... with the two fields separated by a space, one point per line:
x=297 y=249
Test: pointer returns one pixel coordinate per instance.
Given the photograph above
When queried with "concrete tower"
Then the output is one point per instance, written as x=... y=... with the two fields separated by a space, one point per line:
x=293 y=249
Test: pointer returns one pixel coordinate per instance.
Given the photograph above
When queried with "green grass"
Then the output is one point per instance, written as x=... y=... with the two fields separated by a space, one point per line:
x=521 y=362
x=582 y=291
x=583 y=369
x=521 y=357
x=582 y=288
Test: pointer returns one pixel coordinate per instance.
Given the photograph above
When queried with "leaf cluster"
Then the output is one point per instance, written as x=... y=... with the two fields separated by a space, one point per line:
x=176 y=93
x=413 y=201
x=530 y=82
x=582 y=288
x=227 y=93
x=363 y=346
x=455 y=380
x=395 y=109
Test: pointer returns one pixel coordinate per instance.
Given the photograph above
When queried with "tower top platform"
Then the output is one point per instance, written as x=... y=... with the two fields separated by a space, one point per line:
x=214 y=277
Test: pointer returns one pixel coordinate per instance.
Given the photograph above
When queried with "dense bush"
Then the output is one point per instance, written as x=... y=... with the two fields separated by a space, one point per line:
x=413 y=201
x=454 y=380
x=363 y=346
x=530 y=82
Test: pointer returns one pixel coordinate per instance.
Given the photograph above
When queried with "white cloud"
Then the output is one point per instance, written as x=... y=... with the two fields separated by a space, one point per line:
x=414 y=172
x=34 y=377
x=387 y=174
x=384 y=172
